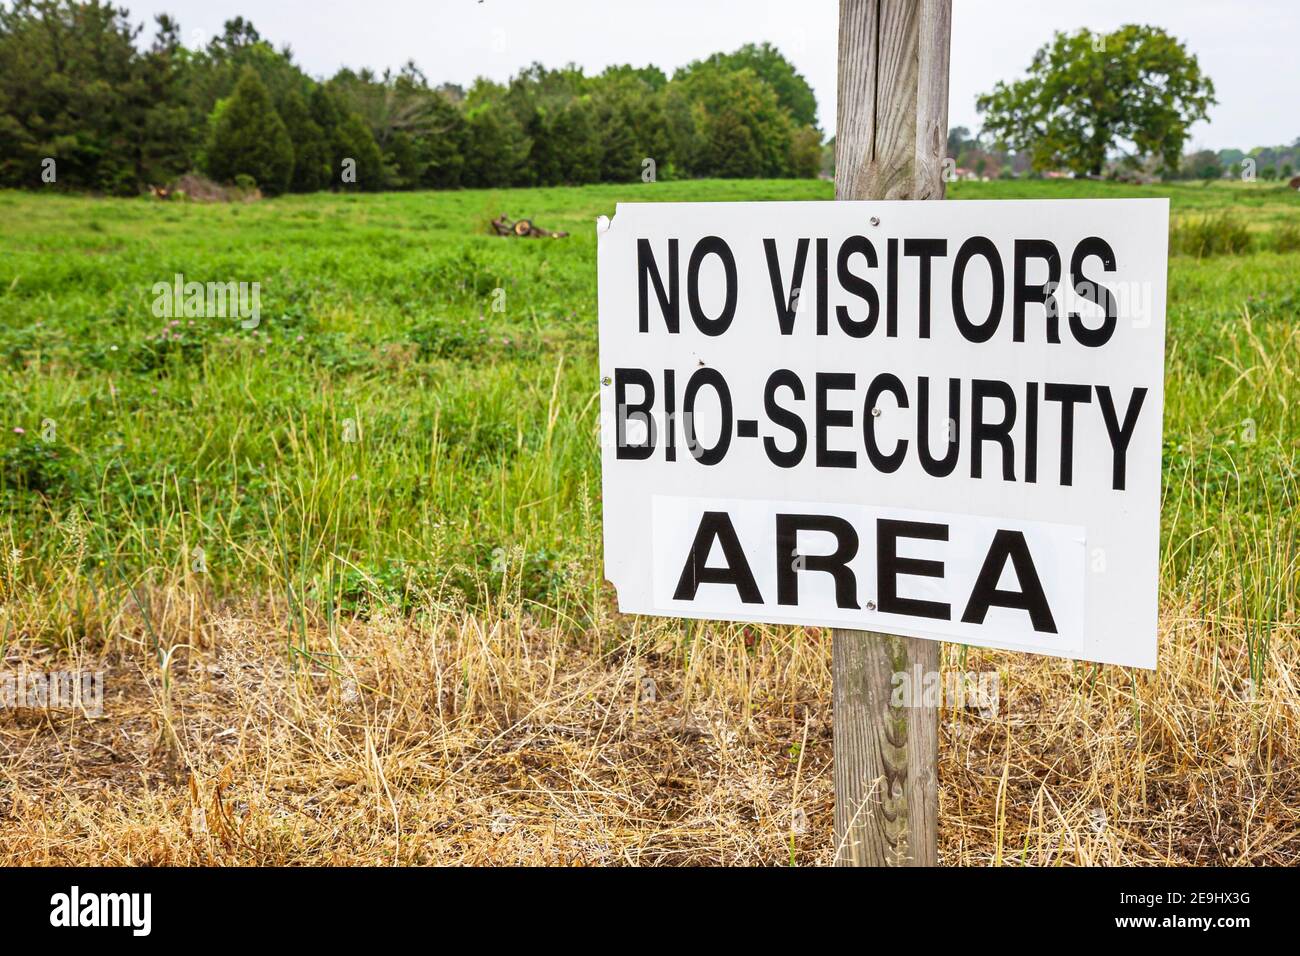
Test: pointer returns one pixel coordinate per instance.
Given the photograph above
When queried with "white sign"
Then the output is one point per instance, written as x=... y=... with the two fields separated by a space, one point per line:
x=936 y=419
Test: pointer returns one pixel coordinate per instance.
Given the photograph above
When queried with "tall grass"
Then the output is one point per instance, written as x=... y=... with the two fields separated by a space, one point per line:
x=396 y=423
x=1218 y=234
x=388 y=493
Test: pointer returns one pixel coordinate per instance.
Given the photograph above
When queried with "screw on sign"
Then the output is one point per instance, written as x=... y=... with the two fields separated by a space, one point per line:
x=907 y=421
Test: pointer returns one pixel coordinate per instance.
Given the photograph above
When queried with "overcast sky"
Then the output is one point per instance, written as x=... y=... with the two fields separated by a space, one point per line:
x=1252 y=52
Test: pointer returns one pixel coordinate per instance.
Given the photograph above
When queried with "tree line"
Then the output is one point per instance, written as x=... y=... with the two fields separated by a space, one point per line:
x=1266 y=162
x=85 y=104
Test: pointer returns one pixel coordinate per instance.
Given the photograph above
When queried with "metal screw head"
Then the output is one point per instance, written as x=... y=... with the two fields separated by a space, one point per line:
x=875 y=220
x=606 y=381
x=875 y=412
x=871 y=605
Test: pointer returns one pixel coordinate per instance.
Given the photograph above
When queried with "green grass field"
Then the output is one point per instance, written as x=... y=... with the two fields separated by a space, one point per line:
x=387 y=442
x=476 y=426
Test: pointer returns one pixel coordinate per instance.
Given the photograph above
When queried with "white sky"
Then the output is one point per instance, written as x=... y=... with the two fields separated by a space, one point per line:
x=1249 y=50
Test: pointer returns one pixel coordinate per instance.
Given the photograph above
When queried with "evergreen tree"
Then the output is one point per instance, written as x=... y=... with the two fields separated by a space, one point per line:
x=359 y=153
x=630 y=123
x=443 y=151
x=168 y=141
x=576 y=150
x=327 y=114
x=311 y=149
x=71 y=90
x=247 y=137
x=403 y=161
x=496 y=147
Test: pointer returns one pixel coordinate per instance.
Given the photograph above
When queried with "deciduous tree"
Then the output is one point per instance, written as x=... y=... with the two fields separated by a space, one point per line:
x=1135 y=91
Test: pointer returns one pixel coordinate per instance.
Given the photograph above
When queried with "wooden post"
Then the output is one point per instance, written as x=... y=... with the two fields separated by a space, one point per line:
x=891 y=137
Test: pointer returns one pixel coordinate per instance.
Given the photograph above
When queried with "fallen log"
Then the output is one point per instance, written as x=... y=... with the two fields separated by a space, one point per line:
x=523 y=228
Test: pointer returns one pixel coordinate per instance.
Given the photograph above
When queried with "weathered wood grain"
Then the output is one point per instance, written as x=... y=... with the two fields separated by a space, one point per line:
x=892 y=125
x=891 y=137
x=886 y=788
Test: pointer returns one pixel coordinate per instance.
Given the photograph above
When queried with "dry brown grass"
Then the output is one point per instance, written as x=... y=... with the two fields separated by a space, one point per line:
x=451 y=738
